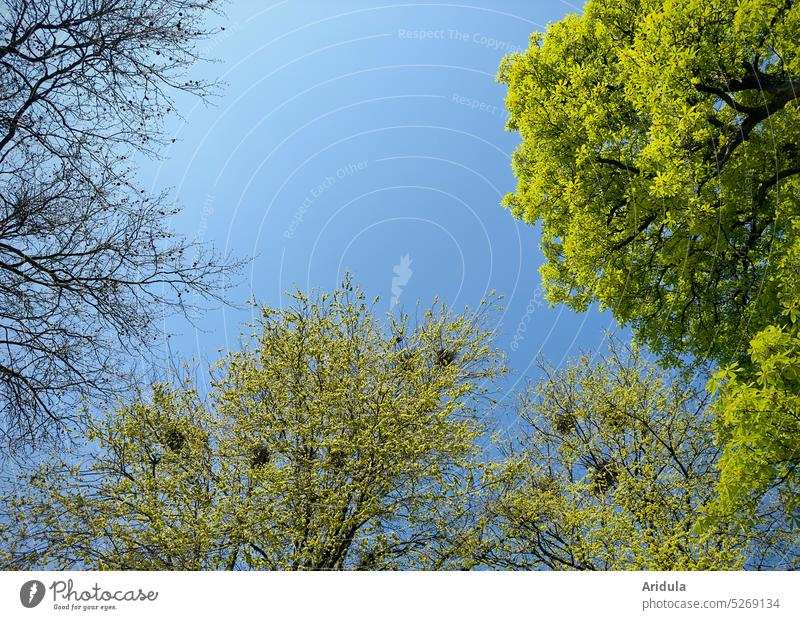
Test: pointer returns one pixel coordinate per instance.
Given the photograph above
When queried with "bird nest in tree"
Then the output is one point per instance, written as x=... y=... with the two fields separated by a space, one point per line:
x=337 y=458
x=546 y=483
x=605 y=475
x=174 y=440
x=260 y=456
x=445 y=357
x=565 y=423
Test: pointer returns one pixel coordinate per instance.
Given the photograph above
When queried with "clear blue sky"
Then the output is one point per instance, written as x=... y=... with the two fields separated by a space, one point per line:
x=352 y=134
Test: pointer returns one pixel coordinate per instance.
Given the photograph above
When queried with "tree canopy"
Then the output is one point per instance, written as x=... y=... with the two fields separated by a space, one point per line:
x=613 y=465
x=329 y=441
x=758 y=422
x=660 y=154
x=88 y=261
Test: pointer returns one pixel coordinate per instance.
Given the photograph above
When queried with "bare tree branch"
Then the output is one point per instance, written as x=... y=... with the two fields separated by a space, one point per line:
x=88 y=263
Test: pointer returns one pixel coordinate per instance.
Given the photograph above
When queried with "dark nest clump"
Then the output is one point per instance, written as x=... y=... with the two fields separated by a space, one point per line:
x=174 y=440
x=546 y=483
x=260 y=456
x=605 y=475
x=445 y=357
x=565 y=423
x=337 y=459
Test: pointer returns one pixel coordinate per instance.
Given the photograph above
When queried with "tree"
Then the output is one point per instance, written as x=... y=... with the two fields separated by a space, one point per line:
x=759 y=423
x=758 y=419
x=330 y=441
x=88 y=263
x=612 y=468
x=661 y=153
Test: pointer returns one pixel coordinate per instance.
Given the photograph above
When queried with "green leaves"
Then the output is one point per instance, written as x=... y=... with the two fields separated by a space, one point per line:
x=759 y=422
x=611 y=469
x=660 y=155
x=329 y=441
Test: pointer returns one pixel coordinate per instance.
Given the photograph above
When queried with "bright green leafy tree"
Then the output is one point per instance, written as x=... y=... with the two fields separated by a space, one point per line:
x=661 y=153
x=611 y=470
x=758 y=419
x=759 y=424
x=331 y=440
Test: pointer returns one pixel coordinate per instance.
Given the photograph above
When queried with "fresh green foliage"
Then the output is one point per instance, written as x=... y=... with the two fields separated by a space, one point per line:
x=759 y=419
x=614 y=463
x=330 y=441
x=759 y=425
x=661 y=153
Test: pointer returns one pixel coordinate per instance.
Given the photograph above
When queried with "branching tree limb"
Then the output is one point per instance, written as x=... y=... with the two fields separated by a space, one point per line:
x=88 y=263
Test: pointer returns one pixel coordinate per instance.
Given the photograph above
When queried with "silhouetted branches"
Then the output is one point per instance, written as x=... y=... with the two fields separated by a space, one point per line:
x=88 y=263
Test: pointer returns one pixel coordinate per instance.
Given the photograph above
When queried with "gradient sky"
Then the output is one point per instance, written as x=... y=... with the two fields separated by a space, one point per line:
x=350 y=135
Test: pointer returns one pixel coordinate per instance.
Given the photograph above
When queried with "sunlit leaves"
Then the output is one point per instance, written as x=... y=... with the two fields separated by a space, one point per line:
x=330 y=440
x=611 y=470
x=660 y=153
x=759 y=426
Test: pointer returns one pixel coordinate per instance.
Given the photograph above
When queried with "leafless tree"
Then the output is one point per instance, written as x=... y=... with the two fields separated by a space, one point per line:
x=88 y=263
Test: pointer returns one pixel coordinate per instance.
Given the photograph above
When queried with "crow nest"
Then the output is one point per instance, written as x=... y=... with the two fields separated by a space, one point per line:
x=605 y=475
x=546 y=483
x=174 y=440
x=444 y=356
x=337 y=459
x=565 y=423
x=259 y=456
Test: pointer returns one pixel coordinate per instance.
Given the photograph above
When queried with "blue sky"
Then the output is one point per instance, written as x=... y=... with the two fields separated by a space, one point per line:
x=364 y=136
